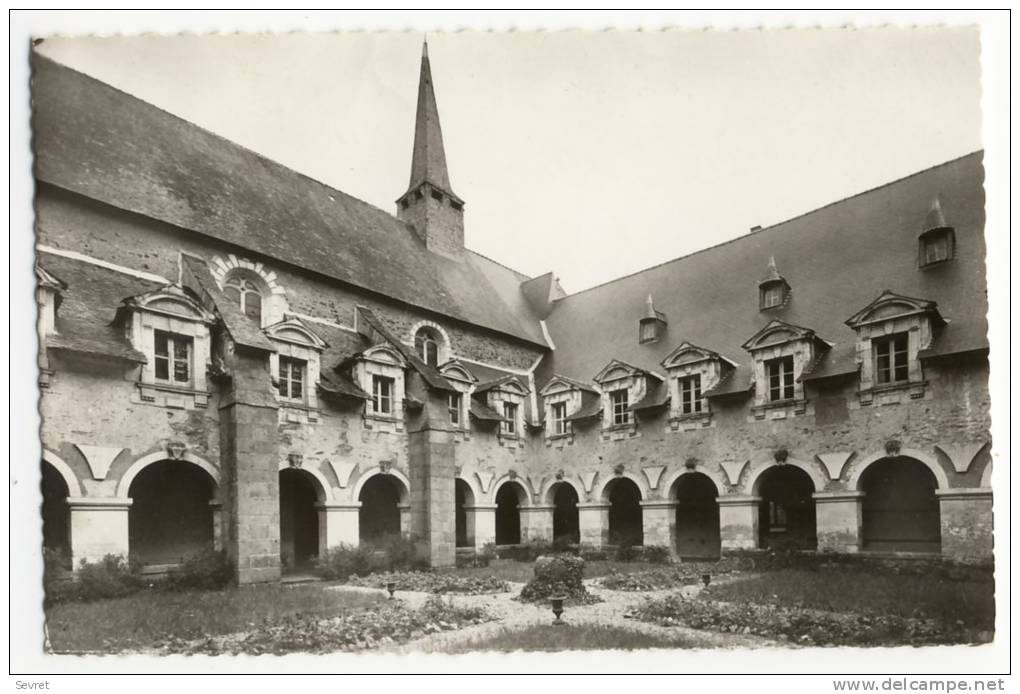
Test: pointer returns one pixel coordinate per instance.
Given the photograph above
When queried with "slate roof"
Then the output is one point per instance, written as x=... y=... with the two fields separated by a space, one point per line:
x=97 y=141
x=837 y=259
x=429 y=374
x=428 y=160
x=89 y=305
x=243 y=330
x=484 y=413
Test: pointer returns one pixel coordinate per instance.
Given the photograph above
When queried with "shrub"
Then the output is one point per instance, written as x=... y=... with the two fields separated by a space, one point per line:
x=627 y=552
x=400 y=552
x=656 y=554
x=558 y=575
x=342 y=562
x=434 y=582
x=209 y=569
x=480 y=558
x=592 y=553
x=111 y=577
x=526 y=551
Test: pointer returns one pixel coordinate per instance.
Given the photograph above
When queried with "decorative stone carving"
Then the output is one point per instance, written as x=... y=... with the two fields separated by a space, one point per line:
x=559 y=474
x=99 y=458
x=512 y=474
x=457 y=469
x=653 y=473
x=781 y=455
x=618 y=470
x=295 y=460
x=385 y=466
x=343 y=471
x=485 y=478
x=176 y=449
x=691 y=463
x=588 y=479
x=834 y=462
x=733 y=469
x=892 y=447
x=961 y=456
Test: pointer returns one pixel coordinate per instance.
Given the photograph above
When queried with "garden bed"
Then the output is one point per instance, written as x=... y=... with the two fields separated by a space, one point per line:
x=438 y=582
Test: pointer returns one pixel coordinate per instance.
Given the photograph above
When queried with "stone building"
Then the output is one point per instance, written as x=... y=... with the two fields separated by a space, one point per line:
x=237 y=356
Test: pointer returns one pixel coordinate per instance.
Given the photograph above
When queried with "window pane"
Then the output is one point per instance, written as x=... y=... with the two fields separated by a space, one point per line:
x=162 y=367
x=253 y=306
x=162 y=344
x=231 y=293
x=431 y=353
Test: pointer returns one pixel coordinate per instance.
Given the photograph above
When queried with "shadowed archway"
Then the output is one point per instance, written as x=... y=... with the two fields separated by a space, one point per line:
x=900 y=512
x=697 y=516
x=299 y=518
x=510 y=497
x=56 y=515
x=170 y=518
x=625 y=518
x=379 y=515
x=786 y=517
x=566 y=527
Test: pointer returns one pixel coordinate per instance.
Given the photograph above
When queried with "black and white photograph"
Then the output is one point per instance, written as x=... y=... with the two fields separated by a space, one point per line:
x=676 y=343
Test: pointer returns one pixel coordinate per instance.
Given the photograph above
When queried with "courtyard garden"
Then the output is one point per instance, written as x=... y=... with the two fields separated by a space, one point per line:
x=751 y=600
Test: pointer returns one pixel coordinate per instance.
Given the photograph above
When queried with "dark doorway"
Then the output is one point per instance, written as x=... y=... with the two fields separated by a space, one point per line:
x=510 y=497
x=379 y=515
x=56 y=515
x=786 y=516
x=697 y=517
x=625 y=526
x=464 y=498
x=565 y=522
x=299 y=519
x=170 y=518
x=900 y=512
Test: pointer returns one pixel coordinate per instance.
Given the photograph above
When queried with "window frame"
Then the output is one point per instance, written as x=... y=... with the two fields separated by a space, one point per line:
x=887 y=344
x=171 y=359
x=244 y=289
x=299 y=366
x=379 y=398
x=785 y=377
x=619 y=401
x=689 y=387
x=426 y=339
x=454 y=407
x=509 y=425
x=558 y=415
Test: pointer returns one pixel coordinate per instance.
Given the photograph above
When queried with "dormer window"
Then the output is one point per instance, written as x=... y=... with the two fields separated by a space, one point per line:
x=780 y=378
x=559 y=418
x=509 y=425
x=567 y=401
x=620 y=403
x=506 y=396
x=458 y=375
x=379 y=370
x=652 y=325
x=172 y=362
x=382 y=395
x=291 y=379
x=773 y=289
x=430 y=343
x=245 y=294
x=891 y=359
x=937 y=242
x=693 y=371
x=455 y=404
x=690 y=394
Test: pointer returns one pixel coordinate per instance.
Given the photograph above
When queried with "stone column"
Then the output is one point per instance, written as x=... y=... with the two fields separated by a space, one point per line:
x=99 y=526
x=480 y=520
x=537 y=523
x=738 y=522
x=338 y=524
x=433 y=504
x=593 y=520
x=838 y=521
x=659 y=523
x=966 y=519
x=249 y=457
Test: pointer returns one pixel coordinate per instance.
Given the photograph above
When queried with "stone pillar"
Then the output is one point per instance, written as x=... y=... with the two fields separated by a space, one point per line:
x=966 y=520
x=658 y=518
x=338 y=524
x=593 y=520
x=433 y=504
x=537 y=523
x=216 y=507
x=738 y=522
x=481 y=524
x=249 y=434
x=405 y=519
x=99 y=526
x=838 y=521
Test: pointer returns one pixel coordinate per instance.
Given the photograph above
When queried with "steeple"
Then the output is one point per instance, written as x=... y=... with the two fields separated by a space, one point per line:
x=430 y=205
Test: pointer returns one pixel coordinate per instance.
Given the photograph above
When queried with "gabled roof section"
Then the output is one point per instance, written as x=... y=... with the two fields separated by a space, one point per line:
x=838 y=362
x=590 y=410
x=47 y=280
x=837 y=258
x=656 y=396
x=738 y=383
x=98 y=142
x=294 y=330
x=542 y=293
x=173 y=300
x=771 y=273
x=890 y=305
x=511 y=382
x=368 y=324
x=196 y=275
x=483 y=413
x=458 y=371
x=428 y=161
x=567 y=384
x=686 y=353
x=778 y=332
x=620 y=369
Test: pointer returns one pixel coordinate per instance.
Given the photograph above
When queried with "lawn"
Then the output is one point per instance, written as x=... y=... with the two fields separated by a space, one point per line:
x=549 y=638
x=969 y=601
x=143 y=620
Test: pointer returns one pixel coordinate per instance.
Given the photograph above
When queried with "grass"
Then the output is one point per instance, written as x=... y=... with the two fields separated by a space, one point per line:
x=141 y=621
x=971 y=602
x=522 y=572
x=549 y=638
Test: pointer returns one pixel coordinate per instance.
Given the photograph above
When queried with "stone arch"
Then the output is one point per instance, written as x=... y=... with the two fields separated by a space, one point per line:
x=445 y=349
x=529 y=493
x=986 y=476
x=124 y=486
x=70 y=479
x=697 y=530
x=274 y=297
x=858 y=467
x=717 y=479
x=602 y=491
x=547 y=492
x=405 y=484
x=472 y=482
x=819 y=477
x=325 y=489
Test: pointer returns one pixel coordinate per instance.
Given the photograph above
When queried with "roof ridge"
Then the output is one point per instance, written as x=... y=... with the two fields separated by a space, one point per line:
x=502 y=265
x=773 y=227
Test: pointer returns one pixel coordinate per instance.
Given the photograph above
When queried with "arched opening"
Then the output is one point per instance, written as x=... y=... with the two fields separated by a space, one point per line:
x=625 y=526
x=900 y=512
x=464 y=497
x=786 y=516
x=426 y=343
x=566 y=528
x=299 y=519
x=56 y=515
x=697 y=517
x=170 y=518
x=246 y=294
x=379 y=515
x=509 y=499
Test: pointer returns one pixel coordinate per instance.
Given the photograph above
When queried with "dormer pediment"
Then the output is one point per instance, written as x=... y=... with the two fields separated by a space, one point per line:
x=456 y=371
x=506 y=384
x=170 y=300
x=889 y=306
x=383 y=354
x=294 y=331
x=617 y=370
x=562 y=384
x=777 y=332
x=687 y=353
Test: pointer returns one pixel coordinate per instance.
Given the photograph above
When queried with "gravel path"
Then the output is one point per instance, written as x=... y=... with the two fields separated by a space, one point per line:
x=512 y=615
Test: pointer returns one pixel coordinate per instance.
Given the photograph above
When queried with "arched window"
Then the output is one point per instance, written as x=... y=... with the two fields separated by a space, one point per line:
x=247 y=296
x=426 y=344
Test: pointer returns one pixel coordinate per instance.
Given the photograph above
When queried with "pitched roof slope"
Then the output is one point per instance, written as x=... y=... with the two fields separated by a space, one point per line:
x=97 y=141
x=837 y=259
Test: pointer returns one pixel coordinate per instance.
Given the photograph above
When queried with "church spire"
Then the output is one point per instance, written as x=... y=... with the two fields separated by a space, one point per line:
x=428 y=162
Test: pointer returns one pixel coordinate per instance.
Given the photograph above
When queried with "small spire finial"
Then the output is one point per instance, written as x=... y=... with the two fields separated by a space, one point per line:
x=425 y=47
x=772 y=273
x=650 y=311
x=935 y=219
